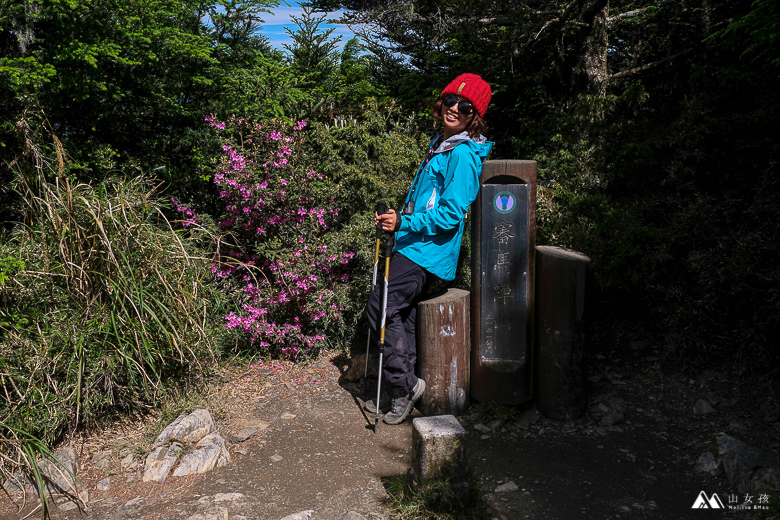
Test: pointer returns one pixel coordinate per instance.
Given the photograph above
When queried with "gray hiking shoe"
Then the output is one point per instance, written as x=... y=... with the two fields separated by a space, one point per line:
x=384 y=403
x=402 y=406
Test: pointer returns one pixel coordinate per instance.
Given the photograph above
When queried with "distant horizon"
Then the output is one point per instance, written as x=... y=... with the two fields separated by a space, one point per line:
x=274 y=24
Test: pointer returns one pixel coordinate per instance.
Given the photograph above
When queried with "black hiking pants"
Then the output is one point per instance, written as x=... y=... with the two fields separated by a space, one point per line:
x=405 y=283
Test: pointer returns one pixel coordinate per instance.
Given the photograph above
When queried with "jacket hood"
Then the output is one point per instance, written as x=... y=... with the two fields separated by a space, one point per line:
x=478 y=144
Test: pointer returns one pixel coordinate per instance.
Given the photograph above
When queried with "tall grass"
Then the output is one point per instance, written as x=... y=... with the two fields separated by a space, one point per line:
x=102 y=304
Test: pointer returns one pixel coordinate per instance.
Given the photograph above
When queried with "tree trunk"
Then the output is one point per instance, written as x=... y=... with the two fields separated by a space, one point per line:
x=594 y=50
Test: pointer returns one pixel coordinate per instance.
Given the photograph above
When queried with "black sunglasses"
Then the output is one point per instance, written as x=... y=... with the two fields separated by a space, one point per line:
x=464 y=107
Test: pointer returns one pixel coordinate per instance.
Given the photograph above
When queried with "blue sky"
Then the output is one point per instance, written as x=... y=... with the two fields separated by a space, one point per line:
x=274 y=25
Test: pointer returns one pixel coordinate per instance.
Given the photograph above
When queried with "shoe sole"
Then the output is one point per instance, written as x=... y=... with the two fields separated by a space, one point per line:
x=419 y=393
x=371 y=408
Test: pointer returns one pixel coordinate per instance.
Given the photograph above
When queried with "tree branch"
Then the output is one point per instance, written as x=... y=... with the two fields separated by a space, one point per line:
x=647 y=66
x=635 y=12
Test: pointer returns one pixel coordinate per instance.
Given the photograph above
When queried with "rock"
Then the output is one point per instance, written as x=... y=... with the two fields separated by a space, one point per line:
x=62 y=474
x=528 y=419
x=160 y=462
x=187 y=428
x=508 y=486
x=217 y=513
x=127 y=461
x=68 y=505
x=303 y=515
x=210 y=453
x=16 y=483
x=747 y=468
x=102 y=459
x=765 y=480
x=611 y=418
x=495 y=424
x=104 y=485
x=276 y=458
x=706 y=465
x=59 y=473
x=714 y=399
x=287 y=416
x=244 y=434
x=481 y=428
x=703 y=407
x=617 y=403
x=737 y=424
x=354 y=516
x=132 y=505
x=228 y=497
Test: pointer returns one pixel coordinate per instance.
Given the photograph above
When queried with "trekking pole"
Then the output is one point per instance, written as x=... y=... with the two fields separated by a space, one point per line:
x=389 y=244
x=381 y=209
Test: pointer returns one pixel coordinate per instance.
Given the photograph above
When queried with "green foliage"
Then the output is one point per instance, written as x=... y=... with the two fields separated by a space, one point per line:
x=108 y=309
x=313 y=52
x=299 y=205
x=489 y=412
x=369 y=158
x=9 y=266
x=436 y=499
x=756 y=31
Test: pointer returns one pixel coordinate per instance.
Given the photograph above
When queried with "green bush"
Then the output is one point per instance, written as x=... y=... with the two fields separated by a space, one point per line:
x=104 y=307
x=297 y=223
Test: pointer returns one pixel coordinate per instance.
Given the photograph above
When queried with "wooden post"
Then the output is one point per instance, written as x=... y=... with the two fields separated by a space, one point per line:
x=443 y=339
x=503 y=237
x=560 y=332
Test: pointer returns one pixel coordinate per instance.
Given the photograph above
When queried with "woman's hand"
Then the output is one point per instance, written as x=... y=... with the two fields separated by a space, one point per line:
x=389 y=220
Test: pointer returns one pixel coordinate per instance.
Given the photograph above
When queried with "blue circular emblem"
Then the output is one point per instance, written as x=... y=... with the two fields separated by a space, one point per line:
x=504 y=202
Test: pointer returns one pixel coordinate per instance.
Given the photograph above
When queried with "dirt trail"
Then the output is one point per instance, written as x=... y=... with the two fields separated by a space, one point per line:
x=316 y=452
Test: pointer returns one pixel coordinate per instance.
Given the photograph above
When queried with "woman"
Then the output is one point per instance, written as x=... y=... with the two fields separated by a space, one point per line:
x=428 y=231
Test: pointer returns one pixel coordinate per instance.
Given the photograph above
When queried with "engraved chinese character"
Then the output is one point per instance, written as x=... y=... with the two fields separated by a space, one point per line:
x=503 y=232
x=748 y=499
x=503 y=321
x=502 y=264
x=503 y=291
x=733 y=499
x=763 y=498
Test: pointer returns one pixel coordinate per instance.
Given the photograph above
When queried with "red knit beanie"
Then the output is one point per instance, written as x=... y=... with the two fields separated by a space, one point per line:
x=473 y=88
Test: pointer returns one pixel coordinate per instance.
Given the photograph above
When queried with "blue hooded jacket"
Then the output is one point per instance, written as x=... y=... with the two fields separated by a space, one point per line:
x=445 y=186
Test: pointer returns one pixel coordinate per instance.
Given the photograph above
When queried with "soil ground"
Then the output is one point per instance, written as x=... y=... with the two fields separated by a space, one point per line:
x=316 y=450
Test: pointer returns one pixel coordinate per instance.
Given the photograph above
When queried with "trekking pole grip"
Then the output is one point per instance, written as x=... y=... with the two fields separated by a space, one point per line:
x=381 y=209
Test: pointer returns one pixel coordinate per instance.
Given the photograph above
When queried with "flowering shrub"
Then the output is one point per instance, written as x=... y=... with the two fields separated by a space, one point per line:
x=290 y=276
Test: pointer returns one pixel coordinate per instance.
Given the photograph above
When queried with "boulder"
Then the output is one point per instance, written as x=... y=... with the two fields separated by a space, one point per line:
x=210 y=453
x=61 y=474
x=748 y=469
x=187 y=428
x=196 y=429
x=160 y=462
